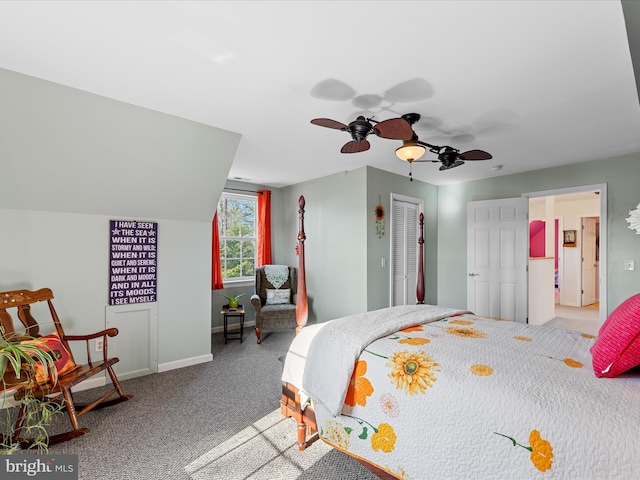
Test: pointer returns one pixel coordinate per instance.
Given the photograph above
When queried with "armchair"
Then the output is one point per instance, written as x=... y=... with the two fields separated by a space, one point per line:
x=275 y=298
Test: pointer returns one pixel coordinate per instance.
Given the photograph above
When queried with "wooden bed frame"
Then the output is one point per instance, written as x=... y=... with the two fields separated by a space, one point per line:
x=290 y=402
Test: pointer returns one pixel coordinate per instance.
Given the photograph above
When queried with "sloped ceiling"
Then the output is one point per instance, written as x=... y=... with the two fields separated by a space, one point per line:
x=631 y=9
x=536 y=84
x=66 y=150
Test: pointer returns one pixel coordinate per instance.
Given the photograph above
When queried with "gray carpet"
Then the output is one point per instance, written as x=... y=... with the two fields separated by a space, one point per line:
x=218 y=420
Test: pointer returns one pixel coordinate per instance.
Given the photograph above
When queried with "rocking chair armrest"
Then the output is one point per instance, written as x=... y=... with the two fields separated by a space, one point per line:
x=111 y=332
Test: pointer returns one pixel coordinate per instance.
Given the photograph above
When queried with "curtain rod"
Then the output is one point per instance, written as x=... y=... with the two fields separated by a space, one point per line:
x=242 y=190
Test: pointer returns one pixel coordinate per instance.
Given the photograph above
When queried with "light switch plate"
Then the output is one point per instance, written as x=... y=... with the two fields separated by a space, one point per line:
x=629 y=264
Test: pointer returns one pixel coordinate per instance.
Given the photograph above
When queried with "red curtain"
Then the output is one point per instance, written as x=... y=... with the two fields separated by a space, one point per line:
x=264 y=228
x=216 y=268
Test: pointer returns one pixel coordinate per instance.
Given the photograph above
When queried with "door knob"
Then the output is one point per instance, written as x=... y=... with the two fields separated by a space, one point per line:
x=474 y=274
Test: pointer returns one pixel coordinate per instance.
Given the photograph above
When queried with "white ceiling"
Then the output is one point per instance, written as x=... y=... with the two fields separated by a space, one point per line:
x=536 y=84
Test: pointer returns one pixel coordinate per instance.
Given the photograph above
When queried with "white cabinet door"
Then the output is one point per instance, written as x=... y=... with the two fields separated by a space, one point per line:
x=136 y=344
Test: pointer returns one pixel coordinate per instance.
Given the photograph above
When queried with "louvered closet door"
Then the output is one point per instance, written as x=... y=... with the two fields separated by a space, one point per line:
x=404 y=252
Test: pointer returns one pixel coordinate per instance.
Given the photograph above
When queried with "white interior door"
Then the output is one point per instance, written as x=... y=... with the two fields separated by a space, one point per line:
x=589 y=261
x=497 y=258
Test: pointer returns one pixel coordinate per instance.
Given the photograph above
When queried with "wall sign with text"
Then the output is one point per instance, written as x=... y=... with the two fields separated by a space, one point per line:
x=133 y=262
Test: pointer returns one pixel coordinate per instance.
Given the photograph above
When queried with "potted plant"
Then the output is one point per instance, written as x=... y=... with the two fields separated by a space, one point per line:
x=233 y=299
x=17 y=362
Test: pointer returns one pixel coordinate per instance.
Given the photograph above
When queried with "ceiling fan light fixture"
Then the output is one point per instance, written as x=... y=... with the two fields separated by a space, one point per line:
x=410 y=151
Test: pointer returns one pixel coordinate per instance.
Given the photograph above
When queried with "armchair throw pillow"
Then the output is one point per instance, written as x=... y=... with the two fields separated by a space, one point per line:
x=278 y=296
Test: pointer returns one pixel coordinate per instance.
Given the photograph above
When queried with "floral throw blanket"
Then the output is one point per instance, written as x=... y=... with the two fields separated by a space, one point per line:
x=326 y=377
x=474 y=397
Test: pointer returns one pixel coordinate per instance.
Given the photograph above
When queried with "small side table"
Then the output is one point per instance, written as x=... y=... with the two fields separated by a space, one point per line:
x=233 y=312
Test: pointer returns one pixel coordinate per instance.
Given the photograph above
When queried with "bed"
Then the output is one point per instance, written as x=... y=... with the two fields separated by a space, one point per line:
x=423 y=391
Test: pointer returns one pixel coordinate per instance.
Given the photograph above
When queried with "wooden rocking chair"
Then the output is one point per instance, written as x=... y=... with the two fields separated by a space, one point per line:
x=60 y=389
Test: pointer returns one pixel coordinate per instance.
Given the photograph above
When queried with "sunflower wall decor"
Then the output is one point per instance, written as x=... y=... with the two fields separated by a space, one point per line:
x=634 y=219
x=379 y=212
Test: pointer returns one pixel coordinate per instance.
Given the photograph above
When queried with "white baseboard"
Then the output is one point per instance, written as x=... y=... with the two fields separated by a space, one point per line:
x=96 y=381
x=185 y=362
x=101 y=380
x=235 y=326
x=8 y=401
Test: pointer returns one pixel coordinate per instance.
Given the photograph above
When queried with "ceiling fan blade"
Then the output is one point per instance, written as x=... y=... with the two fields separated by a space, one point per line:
x=355 y=147
x=457 y=163
x=394 y=128
x=475 y=155
x=327 y=122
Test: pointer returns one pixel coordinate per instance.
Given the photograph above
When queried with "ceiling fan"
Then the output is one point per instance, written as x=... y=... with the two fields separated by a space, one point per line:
x=412 y=150
x=361 y=128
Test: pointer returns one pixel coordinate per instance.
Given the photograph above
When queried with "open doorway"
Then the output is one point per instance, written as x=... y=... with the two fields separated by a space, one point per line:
x=567 y=287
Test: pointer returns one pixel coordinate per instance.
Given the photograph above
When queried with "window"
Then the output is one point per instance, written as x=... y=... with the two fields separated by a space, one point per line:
x=237 y=227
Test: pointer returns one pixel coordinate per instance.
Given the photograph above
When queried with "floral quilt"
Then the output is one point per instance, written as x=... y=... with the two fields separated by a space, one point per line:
x=475 y=397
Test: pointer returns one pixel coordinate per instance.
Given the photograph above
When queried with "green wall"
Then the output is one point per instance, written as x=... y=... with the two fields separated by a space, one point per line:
x=380 y=186
x=69 y=162
x=67 y=150
x=621 y=176
x=335 y=249
x=343 y=252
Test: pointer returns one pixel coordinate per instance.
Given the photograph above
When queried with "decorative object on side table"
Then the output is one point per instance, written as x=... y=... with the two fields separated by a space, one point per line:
x=233 y=299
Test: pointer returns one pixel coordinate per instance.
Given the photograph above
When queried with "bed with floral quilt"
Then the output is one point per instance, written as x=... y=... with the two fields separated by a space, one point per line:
x=425 y=392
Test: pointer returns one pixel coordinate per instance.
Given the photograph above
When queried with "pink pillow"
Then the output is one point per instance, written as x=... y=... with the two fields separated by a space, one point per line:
x=617 y=348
